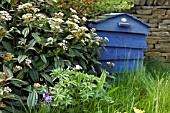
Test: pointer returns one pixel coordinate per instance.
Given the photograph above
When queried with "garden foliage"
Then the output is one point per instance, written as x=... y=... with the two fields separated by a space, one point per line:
x=38 y=36
x=93 y=8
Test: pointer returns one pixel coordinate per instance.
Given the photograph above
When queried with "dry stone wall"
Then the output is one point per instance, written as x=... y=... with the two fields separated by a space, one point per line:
x=156 y=14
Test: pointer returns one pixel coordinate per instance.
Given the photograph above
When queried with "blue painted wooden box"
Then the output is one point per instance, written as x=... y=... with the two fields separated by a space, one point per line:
x=127 y=38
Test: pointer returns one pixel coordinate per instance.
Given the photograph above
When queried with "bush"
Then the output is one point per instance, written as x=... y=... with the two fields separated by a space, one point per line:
x=71 y=89
x=37 y=37
x=93 y=8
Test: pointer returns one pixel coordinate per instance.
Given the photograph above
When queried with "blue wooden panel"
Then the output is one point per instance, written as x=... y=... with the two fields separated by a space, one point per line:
x=124 y=39
x=122 y=66
x=113 y=24
x=113 y=53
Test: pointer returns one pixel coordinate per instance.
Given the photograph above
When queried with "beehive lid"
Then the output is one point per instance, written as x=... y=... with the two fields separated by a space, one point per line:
x=118 y=22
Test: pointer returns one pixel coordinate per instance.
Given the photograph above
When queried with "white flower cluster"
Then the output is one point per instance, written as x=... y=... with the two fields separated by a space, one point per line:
x=4 y=15
x=35 y=10
x=72 y=25
x=50 y=40
x=5 y=90
x=55 y=1
x=18 y=67
x=36 y=85
x=63 y=45
x=106 y=39
x=59 y=15
x=40 y=16
x=72 y=10
x=77 y=67
x=110 y=64
x=41 y=0
x=24 y=6
x=28 y=61
x=27 y=16
x=56 y=21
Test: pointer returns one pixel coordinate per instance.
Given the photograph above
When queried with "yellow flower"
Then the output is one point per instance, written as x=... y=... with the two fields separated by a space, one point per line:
x=138 y=110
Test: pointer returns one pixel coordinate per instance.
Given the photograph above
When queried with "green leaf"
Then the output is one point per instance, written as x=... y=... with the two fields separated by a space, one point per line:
x=69 y=37
x=9 y=1
x=112 y=90
x=32 y=99
x=21 y=58
x=31 y=44
x=46 y=77
x=8 y=71
x=36 y=37
x=34 y=75
x=102 y=81
x=95 y=61
x=43 y=58
x=25 y=32
x=8 y=47
x=21 y=73
x=59 y=63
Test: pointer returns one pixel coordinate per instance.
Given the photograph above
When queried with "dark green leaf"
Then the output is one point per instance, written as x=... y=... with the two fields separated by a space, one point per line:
x=21 y=58
x=8 y=47
x=46 y=77
x=8 y=71
x=32 y=99
x=36 y=37
x=34 y=75
x=59 y=63
x=26 y=31
x=43 y=58
x=31 y=44
x=21 y=74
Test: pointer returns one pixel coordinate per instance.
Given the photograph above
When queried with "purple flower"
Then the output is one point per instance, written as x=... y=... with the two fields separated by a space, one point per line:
x=46 y=97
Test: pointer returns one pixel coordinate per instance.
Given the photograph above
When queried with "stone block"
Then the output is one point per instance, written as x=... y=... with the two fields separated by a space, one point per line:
x=152 y=21
x=157 y=29
x=166 y=54
x=143 y=16
x=151 y=41
x=157 y=16
x=162 y=34
x=137 y=2
x=155 y=2
x=164 y=41
x=162 y=48
x=166 y=22
x=159 y=11
x=146 y=7
x=161 y=26
x=160 y=2
x=161 y=7
x=142 y=2
x=150 y=47
x=144 y=12
x=152 y=25
x=168 y=12
x=153 y=54
x=149 y=2
x=168 y=59
x=144 y=20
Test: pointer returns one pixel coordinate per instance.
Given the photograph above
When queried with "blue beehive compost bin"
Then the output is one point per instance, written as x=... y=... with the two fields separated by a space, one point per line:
x=127 y=38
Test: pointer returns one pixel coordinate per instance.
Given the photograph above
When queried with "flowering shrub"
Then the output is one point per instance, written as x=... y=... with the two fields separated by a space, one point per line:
x=38 y=36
